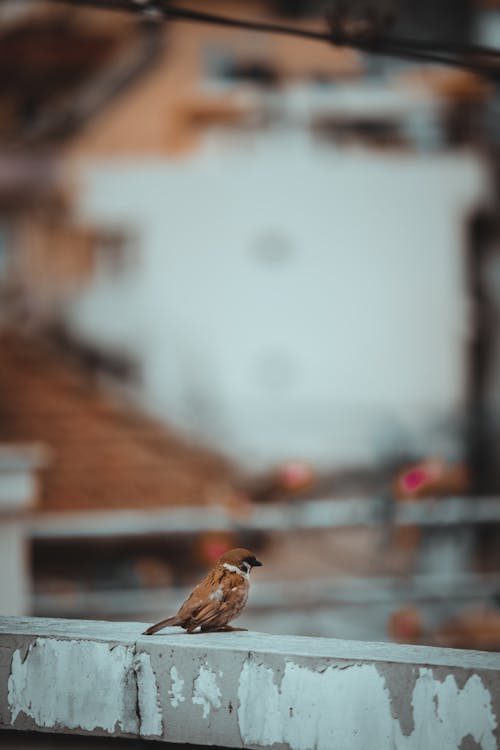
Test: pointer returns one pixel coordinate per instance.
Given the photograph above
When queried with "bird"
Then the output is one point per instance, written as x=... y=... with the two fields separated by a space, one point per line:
x=218 y=598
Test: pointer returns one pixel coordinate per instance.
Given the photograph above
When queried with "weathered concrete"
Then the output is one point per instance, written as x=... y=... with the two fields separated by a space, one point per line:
x=244 y=689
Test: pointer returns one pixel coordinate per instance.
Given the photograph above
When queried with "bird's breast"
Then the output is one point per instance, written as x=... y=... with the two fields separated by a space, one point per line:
x=238 y=593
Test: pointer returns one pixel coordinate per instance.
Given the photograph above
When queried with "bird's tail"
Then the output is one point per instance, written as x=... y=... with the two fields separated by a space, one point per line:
x=162 y=624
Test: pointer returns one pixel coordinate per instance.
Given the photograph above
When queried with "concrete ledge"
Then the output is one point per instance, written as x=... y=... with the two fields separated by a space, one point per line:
x=244 y=689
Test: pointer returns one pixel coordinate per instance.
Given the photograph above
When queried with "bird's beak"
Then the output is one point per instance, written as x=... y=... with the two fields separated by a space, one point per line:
x=255 y=563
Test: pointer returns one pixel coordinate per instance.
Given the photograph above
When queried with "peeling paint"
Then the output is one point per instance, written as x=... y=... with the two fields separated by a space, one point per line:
x=259 y=714
x=445 y=713
x=85 y=685
x=77 y=684
x=245 y=689
x=400 y=684
x=206 y=692
x=176 y=691
x=469 y=743
x=150 y=714
x=352 y=708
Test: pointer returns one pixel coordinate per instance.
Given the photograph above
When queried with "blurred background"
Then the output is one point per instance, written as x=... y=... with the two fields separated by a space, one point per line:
x=249 y=296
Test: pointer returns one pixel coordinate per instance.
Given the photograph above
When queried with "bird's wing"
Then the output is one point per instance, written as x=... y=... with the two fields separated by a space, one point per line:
x=212 y=612
x=199 y=598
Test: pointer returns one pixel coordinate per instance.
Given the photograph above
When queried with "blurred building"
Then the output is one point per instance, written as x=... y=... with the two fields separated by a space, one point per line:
x=258 y=225
x=216 y=243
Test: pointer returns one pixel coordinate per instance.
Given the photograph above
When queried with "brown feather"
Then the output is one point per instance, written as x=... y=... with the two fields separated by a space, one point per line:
x=162 y=624
x=215 y=601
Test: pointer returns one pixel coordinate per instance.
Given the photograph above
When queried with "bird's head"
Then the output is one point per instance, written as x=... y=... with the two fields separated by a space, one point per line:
x=239 y=560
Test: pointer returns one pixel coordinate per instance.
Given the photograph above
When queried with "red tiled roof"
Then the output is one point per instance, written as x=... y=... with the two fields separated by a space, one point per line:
x=105 y=455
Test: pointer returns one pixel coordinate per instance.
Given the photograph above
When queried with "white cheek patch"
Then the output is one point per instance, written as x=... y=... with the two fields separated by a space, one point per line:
x=235 y=569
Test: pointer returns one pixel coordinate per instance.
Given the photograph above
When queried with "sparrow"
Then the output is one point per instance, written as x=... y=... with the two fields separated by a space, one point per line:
x=218 y=598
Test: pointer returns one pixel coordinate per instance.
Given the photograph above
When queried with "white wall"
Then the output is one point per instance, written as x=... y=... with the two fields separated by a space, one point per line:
x=18 y=492
x=14 y=576
x=349 y=342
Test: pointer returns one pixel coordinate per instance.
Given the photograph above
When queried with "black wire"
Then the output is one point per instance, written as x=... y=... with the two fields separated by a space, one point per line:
x=483 y=60
x=183 y=14
x=393 y=49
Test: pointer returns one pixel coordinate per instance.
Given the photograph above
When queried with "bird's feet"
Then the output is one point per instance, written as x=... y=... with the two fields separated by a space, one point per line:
x=225 y=629
x=230 y=629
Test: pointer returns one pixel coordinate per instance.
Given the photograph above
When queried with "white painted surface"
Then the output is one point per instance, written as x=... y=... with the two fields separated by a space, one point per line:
x=349 y=708
x=206 y=691
x=444 y=714
x=176 y=691
x=291 y=299
x=78 y=684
